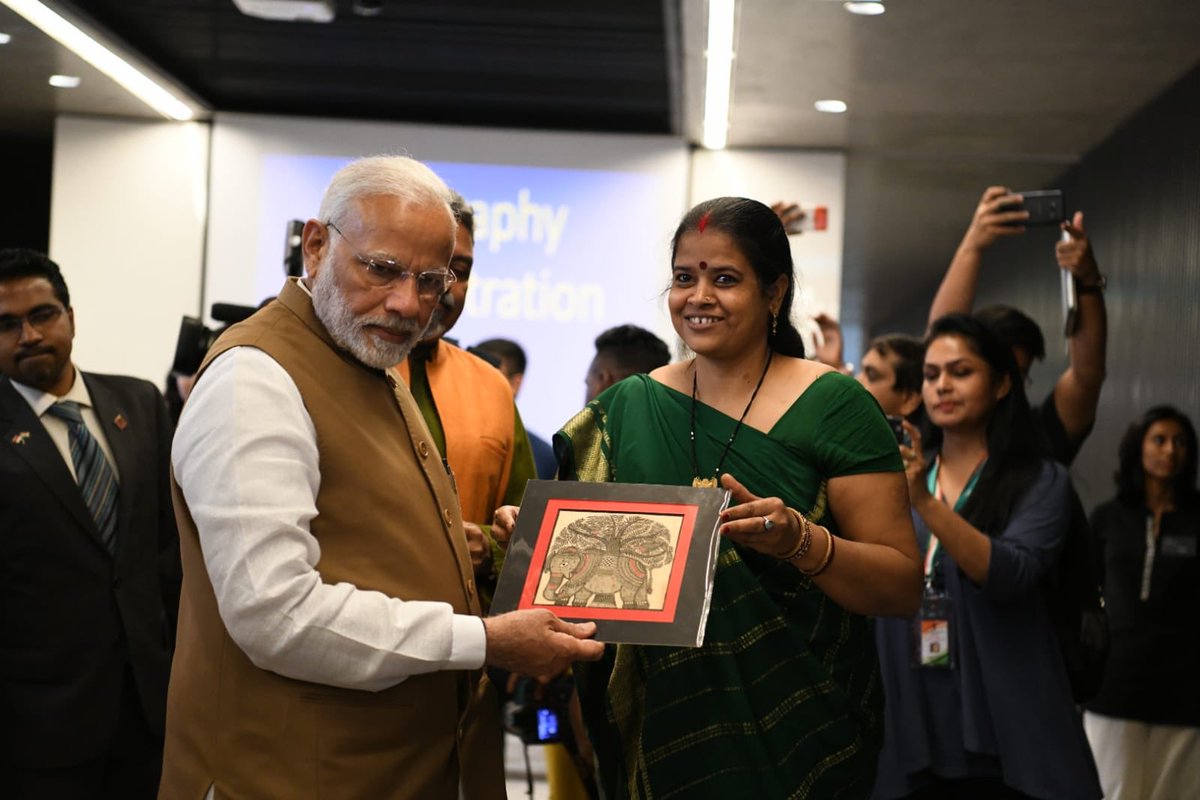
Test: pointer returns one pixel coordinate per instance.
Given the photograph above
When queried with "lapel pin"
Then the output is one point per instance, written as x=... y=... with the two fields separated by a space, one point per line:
x=120 y=421
x=21 y=437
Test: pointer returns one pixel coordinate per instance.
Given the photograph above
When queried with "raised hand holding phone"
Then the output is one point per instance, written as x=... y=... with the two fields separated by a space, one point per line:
x=998 y=214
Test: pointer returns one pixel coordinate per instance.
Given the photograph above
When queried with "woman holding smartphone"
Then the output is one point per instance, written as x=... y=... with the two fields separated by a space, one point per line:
x=978 y=701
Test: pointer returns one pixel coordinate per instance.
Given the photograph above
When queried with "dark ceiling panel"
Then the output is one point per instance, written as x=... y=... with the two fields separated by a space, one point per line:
x=523 y=63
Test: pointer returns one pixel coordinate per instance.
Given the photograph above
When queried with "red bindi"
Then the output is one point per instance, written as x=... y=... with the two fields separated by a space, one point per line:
x=703 y=265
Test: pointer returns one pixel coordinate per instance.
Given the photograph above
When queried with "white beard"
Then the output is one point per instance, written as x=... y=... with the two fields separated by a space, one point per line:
x=347 y=329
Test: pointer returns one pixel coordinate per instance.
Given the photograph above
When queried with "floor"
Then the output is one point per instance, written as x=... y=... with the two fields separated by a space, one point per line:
x=514 y=770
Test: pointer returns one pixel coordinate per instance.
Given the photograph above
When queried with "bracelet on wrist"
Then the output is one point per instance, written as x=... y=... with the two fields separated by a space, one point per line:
x=805 y=541
x=1097 y=286
x=825 y=562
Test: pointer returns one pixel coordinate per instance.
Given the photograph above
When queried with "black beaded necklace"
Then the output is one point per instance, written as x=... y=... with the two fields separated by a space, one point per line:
x=710 y=483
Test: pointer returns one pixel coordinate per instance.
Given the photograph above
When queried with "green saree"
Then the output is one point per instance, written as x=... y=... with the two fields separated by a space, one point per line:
x=784 y=698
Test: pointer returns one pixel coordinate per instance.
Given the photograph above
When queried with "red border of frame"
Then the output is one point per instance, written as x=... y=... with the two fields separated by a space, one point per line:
x=550 y=517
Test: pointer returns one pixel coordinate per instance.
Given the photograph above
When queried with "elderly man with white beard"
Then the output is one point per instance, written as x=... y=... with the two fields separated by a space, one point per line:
x=329 y=640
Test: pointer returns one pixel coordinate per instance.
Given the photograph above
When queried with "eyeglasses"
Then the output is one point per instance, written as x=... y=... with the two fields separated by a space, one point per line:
x=41 y=318
x=385 y=273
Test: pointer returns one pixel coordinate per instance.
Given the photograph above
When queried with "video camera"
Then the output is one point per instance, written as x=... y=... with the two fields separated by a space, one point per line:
x=540 y=717
x=195 y=338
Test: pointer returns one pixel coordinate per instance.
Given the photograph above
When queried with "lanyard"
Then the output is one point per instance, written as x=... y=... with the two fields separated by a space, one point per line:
x=935 y=488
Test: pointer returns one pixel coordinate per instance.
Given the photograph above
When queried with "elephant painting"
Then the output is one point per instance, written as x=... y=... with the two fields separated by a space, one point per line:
x=601 y=557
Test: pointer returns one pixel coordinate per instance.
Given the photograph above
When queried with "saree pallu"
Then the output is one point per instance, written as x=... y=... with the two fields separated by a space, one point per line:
x=784 y=698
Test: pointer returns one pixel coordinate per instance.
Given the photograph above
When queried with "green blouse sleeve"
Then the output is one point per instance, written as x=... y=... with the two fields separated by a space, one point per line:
x=854 y=437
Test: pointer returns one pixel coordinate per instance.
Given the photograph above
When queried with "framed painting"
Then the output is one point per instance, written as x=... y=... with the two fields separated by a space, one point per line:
x=636 y=559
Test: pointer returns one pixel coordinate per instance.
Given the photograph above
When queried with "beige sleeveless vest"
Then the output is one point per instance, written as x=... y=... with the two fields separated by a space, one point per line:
x=388 y=520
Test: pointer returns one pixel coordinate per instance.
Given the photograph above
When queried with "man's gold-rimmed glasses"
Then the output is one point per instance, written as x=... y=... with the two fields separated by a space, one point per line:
x=385 y=273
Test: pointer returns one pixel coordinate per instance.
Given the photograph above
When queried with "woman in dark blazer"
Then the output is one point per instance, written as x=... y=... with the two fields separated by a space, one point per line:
x=978 y=701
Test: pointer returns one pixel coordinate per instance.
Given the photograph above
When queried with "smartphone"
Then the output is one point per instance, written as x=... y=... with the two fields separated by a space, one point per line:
x=897 y=425
x=1070 y=302
x=1045 y=207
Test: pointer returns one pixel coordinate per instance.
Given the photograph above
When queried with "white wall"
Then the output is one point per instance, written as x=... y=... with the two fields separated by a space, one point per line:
x=129 y=225
x=619 y=197
x=807 y=177
x=127 y=218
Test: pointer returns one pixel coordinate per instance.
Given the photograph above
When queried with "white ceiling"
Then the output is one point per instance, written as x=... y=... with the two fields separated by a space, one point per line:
x=945 y=97
x=1005 y=78
x=28 y=103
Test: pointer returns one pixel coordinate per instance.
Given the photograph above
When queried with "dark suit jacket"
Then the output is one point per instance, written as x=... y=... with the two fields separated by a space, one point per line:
x=72 y=617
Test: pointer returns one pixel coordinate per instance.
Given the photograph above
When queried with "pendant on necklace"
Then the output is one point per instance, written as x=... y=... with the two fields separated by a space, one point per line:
x=704 y=483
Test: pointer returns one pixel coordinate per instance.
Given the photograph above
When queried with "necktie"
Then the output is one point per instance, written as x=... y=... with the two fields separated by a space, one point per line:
x=97 y=482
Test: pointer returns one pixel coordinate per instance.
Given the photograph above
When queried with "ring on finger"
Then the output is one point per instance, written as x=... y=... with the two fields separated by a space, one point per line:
x=767 y=524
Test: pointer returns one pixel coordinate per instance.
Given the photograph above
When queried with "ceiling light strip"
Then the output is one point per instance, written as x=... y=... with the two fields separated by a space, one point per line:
x=719 y=74
x=74 y=39
x=830 y=106
x=868 y=8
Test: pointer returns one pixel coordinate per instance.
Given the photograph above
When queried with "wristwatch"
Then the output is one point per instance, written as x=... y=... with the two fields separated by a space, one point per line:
x=1087 y=288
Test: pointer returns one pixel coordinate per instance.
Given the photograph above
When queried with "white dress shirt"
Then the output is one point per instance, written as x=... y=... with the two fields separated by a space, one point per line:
x=245 y=456
x=58 y=429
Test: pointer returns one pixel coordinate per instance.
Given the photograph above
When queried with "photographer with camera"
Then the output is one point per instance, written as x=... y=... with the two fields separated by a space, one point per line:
x=1069 y=411
x=1066 y=416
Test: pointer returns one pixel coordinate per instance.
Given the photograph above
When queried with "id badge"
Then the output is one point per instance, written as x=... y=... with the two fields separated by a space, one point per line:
x=1178 y=546
x=931 y=632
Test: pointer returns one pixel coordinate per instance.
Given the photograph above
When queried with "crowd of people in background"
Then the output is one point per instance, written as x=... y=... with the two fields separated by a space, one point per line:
x=910 y=600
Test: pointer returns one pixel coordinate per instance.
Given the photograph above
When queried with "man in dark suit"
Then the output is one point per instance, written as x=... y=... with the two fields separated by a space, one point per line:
x=89 y=557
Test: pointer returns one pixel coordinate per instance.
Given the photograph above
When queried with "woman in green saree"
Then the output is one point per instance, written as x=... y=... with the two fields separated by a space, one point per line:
x=783 y=699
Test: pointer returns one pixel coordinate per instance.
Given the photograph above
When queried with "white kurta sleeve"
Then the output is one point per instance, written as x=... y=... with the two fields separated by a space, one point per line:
x=245 y=456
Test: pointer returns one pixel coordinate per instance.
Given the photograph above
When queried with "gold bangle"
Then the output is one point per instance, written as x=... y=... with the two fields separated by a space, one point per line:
x=805 y=537
x=825 y=562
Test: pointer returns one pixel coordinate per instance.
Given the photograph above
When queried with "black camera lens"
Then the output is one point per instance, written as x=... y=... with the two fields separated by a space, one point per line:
x=194 y=341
